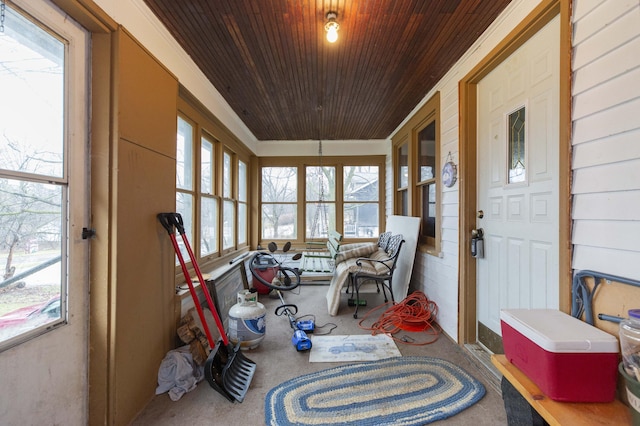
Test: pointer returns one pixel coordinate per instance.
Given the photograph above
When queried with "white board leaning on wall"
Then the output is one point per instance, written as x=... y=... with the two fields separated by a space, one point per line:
x=409 y=227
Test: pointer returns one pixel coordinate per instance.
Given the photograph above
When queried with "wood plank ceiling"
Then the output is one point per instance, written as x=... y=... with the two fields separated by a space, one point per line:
x=271 y=62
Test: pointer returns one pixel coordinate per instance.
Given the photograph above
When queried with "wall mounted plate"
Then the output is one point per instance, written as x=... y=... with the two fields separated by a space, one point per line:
x=449 y=174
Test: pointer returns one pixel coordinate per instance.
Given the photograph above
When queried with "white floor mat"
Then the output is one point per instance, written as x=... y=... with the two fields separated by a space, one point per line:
x=349 y=348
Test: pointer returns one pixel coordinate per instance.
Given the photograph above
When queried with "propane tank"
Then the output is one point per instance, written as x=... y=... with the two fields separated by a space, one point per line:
x=247 y=320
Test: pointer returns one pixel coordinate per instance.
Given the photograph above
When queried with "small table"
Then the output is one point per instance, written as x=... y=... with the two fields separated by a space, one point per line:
x=558 y=413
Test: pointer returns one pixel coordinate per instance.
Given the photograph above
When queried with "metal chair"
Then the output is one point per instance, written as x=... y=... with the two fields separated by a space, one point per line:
x=378 y=269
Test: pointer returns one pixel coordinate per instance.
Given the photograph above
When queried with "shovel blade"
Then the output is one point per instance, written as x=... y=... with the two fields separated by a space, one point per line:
x=229 y=372
x=238 y=373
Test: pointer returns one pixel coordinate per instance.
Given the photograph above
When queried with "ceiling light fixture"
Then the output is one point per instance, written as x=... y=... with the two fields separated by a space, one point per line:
x=331 y=27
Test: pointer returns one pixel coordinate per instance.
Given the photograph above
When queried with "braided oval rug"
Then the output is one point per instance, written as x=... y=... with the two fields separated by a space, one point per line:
x=408 y=391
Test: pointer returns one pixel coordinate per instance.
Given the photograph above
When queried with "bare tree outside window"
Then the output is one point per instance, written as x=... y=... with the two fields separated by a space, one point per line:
x=279 y=198
x=321 y=201
x=33 y=181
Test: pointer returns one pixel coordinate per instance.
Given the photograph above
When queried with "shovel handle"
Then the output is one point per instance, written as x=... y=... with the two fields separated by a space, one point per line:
x=176 y=220
x=167 y=223
x=163 y=218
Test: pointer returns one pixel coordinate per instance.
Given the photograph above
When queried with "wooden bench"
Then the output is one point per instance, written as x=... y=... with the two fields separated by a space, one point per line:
x=322 y=260
x=558 y=413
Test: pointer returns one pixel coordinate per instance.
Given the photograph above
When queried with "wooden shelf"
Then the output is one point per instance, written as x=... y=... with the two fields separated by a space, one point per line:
x=558 y=413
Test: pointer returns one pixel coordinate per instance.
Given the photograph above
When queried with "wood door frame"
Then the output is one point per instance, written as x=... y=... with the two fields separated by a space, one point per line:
x=536 y=20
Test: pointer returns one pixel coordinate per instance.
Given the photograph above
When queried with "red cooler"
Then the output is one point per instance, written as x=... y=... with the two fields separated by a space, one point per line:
x=568 y=359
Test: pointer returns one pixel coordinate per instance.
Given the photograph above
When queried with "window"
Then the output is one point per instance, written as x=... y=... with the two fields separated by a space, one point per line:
x=402 y=179
x=39 y=202
x=185 y=188
x=417 y=173
x=361 y=201
x=344 y=194
x=279 y=202
x=320 y=201
x=426 y=184
x=242 y=202
x=229 y=211
x=212 y=196
x=517 y=160
x=208 y=200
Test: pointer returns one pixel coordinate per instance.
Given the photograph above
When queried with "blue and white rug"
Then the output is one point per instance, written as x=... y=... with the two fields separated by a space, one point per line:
x=407 y=391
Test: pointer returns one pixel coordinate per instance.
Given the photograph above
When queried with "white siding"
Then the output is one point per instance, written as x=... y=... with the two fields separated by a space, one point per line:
x=606 y=136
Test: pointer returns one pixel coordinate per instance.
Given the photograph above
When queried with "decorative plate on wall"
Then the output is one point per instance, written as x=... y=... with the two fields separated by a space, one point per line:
x=449 y=173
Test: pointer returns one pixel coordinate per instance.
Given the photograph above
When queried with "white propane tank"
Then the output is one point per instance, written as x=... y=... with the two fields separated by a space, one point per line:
x=247 y=322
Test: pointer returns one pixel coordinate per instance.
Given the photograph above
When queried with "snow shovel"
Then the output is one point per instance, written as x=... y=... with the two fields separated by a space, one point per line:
x=226 y=369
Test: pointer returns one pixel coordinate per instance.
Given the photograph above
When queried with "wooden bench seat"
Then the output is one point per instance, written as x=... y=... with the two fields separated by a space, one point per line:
x=323 y=258
x=558 y=413
x=332 y=245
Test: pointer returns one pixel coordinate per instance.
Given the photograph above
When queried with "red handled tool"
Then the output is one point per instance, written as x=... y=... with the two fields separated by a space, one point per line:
x=227 y=370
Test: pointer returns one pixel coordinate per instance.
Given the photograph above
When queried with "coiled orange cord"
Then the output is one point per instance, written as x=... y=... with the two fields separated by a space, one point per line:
x=416 y=313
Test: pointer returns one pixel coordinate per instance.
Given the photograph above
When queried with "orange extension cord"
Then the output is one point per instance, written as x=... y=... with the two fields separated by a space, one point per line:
x=416 y=313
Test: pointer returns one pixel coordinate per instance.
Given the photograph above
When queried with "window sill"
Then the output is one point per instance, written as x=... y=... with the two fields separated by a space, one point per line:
x=430 y=250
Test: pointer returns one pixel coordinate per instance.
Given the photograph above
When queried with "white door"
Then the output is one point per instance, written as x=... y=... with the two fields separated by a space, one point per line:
x=44 y=122
x=518 y=181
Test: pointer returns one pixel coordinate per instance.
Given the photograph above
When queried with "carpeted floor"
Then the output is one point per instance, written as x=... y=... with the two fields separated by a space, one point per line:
x=278 y=361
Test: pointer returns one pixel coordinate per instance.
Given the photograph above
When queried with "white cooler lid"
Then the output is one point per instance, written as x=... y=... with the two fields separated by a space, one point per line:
x=555 y=331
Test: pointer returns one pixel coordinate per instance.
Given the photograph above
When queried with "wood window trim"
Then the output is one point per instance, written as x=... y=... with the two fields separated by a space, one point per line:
x=327 y=161
x=408 y=134
x=205 y=124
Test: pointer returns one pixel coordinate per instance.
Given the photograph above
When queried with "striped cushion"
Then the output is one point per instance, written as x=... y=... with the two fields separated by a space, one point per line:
x=367 y=268
x=355 y=250
x=380 y=267
x=374 y=268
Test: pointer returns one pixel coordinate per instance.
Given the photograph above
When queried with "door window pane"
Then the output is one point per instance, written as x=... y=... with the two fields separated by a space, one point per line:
x=33 y=206
x=517 y=169
x=31 y=248
x=32 y=91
